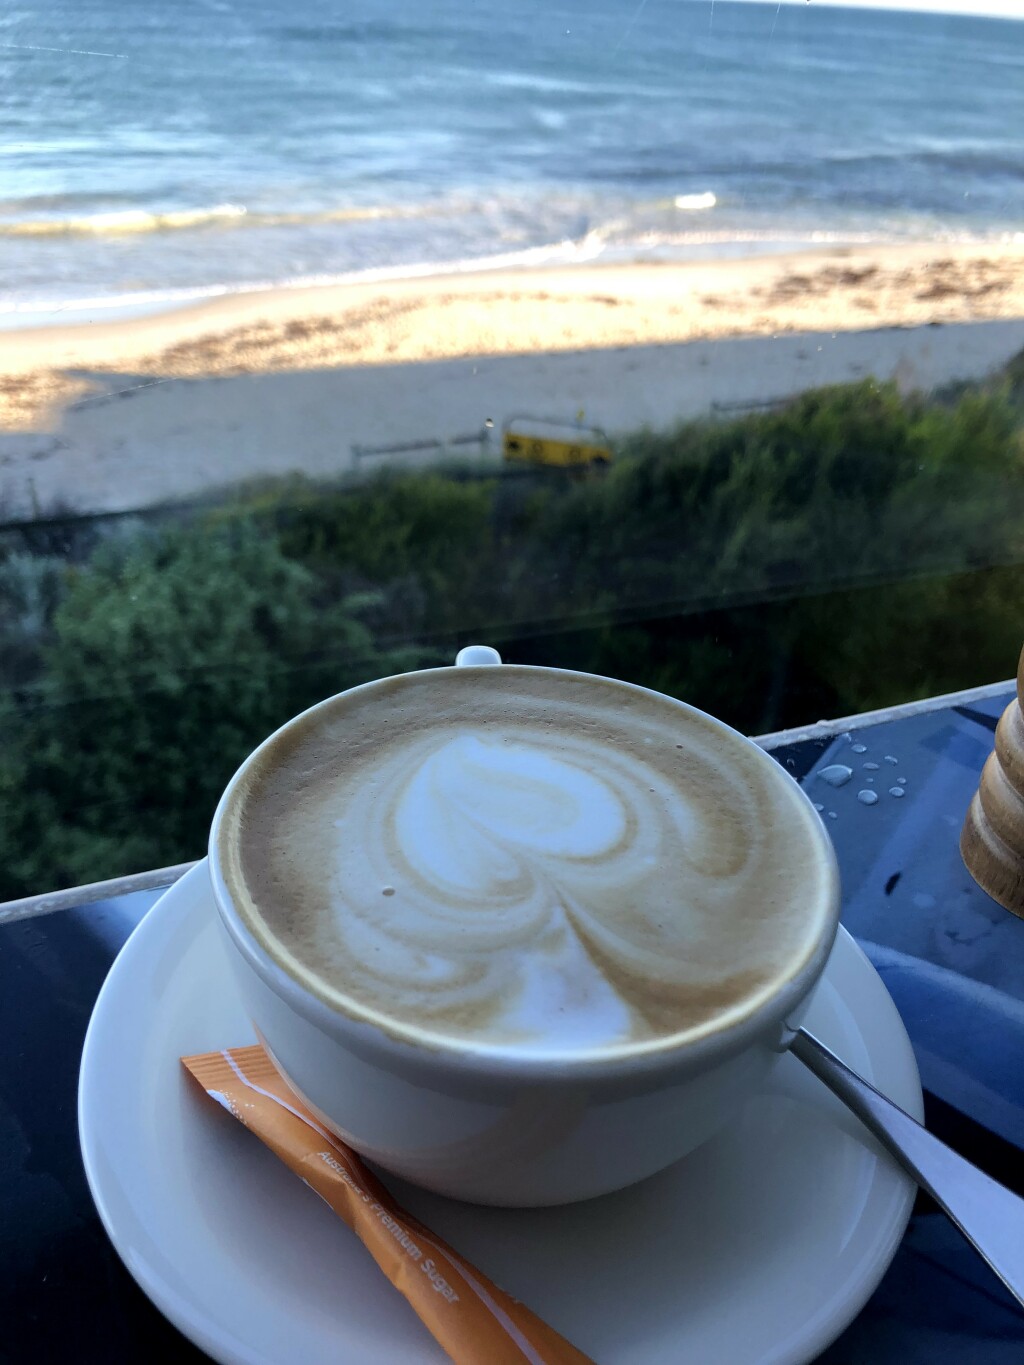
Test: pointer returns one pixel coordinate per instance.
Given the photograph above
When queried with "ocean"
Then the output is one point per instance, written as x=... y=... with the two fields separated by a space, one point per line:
x=155 y=151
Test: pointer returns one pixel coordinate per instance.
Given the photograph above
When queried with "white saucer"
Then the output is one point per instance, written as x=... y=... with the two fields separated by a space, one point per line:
x=759 y=1247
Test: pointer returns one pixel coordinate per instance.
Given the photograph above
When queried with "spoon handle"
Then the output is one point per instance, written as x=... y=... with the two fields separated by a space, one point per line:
x=990 y=1216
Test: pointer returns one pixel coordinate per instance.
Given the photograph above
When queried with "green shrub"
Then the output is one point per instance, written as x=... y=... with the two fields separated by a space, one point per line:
x=171 y=656
x=852 y=549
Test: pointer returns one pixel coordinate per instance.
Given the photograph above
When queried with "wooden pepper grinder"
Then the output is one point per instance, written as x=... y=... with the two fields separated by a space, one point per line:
x=992 y=841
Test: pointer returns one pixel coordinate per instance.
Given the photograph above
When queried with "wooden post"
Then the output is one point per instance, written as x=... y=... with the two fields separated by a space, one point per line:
x=992 y=841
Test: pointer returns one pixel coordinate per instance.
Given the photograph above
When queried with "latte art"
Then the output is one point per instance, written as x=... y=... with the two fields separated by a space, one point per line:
x=510 y=865
x=468 y=811
x=526 y=871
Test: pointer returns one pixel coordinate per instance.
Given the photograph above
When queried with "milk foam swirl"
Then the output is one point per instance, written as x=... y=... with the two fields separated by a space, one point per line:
x=545 y=862
x=523 y=884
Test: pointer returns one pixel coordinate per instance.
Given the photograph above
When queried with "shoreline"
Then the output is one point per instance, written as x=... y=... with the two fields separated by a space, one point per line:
x=704 y=250
x=167 y=408
x=532 y=310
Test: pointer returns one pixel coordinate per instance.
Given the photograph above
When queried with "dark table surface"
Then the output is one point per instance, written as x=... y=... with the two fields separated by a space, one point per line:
x=952 y=959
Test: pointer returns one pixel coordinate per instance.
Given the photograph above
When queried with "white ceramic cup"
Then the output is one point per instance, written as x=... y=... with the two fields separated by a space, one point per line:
x=492 y=1127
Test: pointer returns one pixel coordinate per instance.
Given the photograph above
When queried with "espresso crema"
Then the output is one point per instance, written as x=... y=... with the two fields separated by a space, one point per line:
x=540 y=861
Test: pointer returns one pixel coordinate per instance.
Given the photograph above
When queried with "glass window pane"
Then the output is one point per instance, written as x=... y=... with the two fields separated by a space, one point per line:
x=674 y=341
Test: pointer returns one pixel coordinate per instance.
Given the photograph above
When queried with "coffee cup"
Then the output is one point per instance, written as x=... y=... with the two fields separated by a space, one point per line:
x=520 y=935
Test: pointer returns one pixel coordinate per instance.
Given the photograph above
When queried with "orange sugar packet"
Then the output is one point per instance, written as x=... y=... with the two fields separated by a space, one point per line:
x=472 y=1319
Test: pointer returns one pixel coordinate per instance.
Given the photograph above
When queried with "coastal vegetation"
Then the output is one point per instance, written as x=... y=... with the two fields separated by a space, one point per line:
x=853 y=548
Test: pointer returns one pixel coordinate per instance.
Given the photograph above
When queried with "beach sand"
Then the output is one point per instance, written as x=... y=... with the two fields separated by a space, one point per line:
x=299 y=379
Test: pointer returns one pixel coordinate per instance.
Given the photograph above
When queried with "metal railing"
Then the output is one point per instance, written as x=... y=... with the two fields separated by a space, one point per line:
x=163 y=877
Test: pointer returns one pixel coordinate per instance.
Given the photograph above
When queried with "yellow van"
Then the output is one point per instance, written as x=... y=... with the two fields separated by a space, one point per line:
x=557 y=444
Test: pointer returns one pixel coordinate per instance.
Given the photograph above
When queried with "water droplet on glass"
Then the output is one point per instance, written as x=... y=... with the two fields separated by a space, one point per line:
x=902 y=781
x=869 y=780
x=836 y=774
x=897 y=791
x=818 y=806
x=890 y=759
x=867 y=797
x=832 y=815
x=871 y=767
x=387 y=890
x=845 y=737
x=860 y=748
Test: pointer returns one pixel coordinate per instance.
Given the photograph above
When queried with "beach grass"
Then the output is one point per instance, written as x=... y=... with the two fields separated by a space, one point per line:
x=813 y=560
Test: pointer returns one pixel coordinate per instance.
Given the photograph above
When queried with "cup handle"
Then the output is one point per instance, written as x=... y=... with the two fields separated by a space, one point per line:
x=475 y=655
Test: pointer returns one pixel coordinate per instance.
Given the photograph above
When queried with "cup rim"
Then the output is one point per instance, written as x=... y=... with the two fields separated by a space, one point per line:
x=376 y=1036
